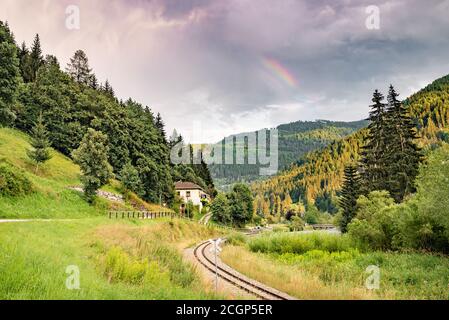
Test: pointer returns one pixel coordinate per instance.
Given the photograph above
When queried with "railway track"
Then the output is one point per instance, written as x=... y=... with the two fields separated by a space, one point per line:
x=226 y=273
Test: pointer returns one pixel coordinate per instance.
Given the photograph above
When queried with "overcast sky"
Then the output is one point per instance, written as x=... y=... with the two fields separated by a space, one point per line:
x=240 y=65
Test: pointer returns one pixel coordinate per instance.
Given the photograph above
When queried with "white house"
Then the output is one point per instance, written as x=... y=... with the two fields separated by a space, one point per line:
x=189 y=191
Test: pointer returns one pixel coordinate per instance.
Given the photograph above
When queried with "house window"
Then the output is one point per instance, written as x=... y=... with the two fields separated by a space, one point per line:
x=188 y=194
x=179 y=193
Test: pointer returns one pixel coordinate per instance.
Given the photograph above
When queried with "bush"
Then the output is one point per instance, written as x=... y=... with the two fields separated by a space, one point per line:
x=191 y=210
x=311 y=215
x=13 y=182
x=119 y=266
x=297 y=224
x=376 y=220
x=236 y=239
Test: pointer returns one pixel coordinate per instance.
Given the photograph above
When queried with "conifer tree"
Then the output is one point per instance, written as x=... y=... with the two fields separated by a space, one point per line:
x=36 y=58
x=93 y=82
x=349 y=195
x=161 y=126
x=25 y=63
x=79 y=69
x=108 y=88
x=40 y=152
x=9 y=75
x=403 y=155
x=373 y=160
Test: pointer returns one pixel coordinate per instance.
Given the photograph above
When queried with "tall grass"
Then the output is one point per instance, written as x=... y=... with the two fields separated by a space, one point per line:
x=112 y=257
x=326 y=266
x=298 y=243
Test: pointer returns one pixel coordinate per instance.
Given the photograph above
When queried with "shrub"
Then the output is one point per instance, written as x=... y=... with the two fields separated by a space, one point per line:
x=376 y=220
x=297 y=224
x=180 y=272
x=13 y=182
x=311 y=215
x=236 y=239
x=119 y=266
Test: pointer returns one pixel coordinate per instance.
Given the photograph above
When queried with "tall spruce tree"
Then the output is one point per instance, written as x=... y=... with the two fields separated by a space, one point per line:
x=107 y=88
x=36 y=58
x=39 y=141
x=25 y=63
x=161 y=126
x=349 y=195
x=93 y=82
x=373 y=161
x=9 y=75
x=79 y=69
x=403 y=155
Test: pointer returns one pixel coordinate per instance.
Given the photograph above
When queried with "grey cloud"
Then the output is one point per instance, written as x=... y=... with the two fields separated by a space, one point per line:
x=191 y=59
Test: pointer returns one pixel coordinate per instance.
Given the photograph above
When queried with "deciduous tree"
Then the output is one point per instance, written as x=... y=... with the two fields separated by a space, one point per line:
x=92 y=157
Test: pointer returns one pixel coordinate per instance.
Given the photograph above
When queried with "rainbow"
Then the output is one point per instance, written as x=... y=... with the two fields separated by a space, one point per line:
x=280 y=71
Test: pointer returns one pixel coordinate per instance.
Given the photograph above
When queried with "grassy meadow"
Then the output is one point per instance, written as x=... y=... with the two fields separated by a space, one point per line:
x=116 y=260
x=325 y=266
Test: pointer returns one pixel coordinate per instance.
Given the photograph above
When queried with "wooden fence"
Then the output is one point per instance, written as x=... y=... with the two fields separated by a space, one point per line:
x=141 y=214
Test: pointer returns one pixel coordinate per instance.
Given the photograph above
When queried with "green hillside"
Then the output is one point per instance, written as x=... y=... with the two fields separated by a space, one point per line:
x=319 y=176
x=50 y=196
x=296 y=139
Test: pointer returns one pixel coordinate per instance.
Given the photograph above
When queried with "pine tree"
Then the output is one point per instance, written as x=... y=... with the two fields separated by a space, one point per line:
x=374 y=167
x=39 y=141
x=78 y=68
x=107 y=88
x=36 y=58
x=161 y=126
x=25 y=63
x=9 y=75
x=93 y=82
x=92 y=157
x=403 y=155
x=349 y=195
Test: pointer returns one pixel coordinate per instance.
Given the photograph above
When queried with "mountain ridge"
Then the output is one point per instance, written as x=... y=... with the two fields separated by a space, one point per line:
x=318 y=177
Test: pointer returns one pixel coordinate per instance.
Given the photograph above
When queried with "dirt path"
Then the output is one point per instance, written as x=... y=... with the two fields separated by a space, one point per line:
x=31 y=220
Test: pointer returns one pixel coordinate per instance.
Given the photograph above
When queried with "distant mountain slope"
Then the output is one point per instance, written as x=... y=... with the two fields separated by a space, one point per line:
x=319 y=175
x=295 y=140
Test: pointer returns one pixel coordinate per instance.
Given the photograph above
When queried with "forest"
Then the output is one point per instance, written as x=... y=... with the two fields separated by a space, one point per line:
x=317 y=180
x=69 y=101
x=296 y=139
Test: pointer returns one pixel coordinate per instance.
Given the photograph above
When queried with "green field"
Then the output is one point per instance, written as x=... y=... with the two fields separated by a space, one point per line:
x=116 y=260
x=321 y=266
